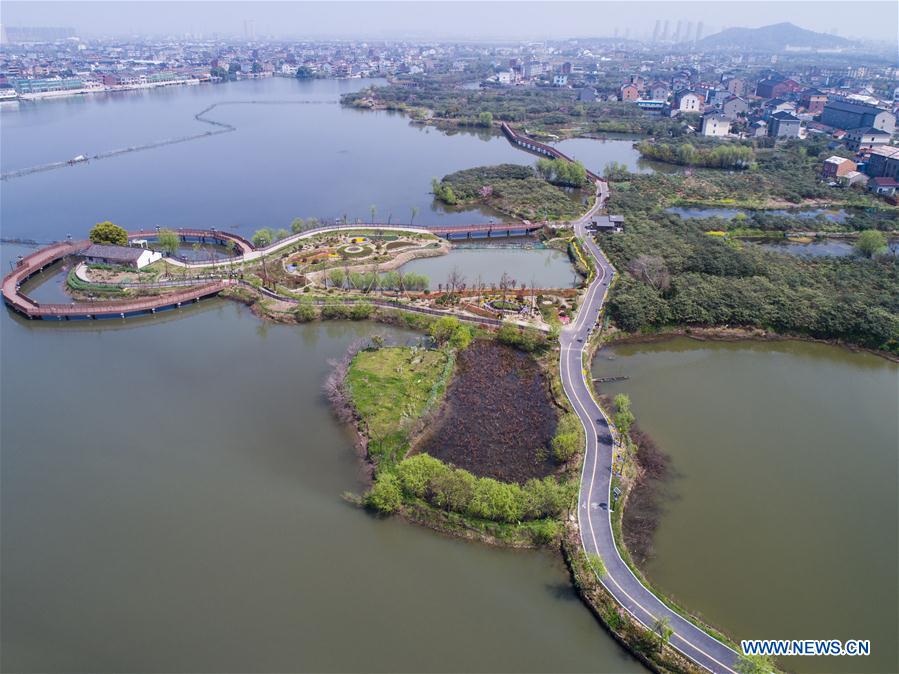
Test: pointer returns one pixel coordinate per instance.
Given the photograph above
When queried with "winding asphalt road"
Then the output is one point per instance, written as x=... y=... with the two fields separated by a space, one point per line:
x=594 y=519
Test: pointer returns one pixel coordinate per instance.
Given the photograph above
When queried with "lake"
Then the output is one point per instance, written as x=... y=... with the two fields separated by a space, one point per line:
x=171 y=485
x=781 y=520
x=285 y=160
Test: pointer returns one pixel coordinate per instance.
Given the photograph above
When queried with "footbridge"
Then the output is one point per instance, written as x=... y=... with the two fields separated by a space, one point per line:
x=536 y=147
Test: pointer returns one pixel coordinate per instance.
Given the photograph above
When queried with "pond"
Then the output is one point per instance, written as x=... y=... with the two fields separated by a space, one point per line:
x=781 y=520
x=596 y=154
x=831 y=215
x=543 y=267
x=819 y=248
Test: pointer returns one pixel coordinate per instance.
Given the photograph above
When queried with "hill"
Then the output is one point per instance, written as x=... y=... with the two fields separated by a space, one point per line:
x=773 y=38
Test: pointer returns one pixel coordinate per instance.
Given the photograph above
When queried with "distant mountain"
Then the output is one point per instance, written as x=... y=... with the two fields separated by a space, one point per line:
x=773 y=38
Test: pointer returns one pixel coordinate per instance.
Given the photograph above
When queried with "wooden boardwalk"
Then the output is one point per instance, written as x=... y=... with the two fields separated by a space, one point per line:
x=35 y=263
x=41 y=259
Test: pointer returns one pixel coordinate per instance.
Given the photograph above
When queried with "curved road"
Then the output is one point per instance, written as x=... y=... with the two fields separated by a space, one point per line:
x=594 y=520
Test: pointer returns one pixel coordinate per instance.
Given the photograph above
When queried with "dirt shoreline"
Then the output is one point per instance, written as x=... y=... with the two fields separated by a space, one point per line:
x=723 y=334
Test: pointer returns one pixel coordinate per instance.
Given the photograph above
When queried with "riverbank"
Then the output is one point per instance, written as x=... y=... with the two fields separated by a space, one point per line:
x=733 y=334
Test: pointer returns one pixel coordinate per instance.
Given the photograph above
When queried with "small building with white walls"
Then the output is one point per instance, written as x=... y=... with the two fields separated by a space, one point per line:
x=120 y=256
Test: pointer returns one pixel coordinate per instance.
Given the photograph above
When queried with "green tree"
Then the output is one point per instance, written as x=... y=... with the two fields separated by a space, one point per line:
x=281 y=234
x=566 y=441
x=385 y=496
x=753 y=664
x=443 y=328
x=262 y=238
x=297 y=225
x=663 y=631
x=414 y=213
x=624 y=418
x=485 y=119
x=871 y=242
x=169 y=241
x=108 y=233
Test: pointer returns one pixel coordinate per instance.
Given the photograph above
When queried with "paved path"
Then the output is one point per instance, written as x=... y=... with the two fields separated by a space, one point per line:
x=594 y=519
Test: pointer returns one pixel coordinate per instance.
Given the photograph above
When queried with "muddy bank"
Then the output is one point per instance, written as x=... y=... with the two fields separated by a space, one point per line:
x=643 y=506
x=736 y=334
x=497 y=419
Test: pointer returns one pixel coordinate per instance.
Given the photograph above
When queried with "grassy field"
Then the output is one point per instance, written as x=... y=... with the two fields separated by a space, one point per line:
x=391 y=388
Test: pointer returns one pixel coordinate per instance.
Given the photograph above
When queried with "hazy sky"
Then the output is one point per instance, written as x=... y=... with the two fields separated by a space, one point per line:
x=504 y=20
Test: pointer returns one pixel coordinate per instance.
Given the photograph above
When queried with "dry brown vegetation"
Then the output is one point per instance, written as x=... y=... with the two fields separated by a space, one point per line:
x=497 y=419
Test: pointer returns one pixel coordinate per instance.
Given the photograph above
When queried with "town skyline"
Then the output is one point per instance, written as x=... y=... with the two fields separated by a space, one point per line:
x=446 y=21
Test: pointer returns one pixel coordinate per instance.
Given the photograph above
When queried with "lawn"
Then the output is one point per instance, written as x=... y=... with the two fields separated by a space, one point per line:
x=391 y=388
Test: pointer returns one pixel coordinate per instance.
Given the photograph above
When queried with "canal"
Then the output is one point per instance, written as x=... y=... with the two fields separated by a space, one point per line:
x=781 y=518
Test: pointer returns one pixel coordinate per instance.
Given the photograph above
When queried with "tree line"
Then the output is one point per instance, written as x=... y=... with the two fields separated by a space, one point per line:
x=686 y=154
x=455 y=490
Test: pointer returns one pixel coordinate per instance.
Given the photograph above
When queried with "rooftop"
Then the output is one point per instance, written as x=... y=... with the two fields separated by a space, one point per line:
x=120 y=253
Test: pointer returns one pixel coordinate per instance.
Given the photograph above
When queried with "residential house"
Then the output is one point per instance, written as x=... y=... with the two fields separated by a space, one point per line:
x=844 y=114
x=715 y=124
x=688 y=101
x=813 y=101
x=629 y=92
x=883 y=161
x=866 y=138
x=883 y=186
x=774 y=87
x=734 y=107
x=737 y=86
x=779 y=105
x=783 y=125
x=607 y=223
x=659 y=91
x=853 y=178
x=837 y=167
x=758 y=129
x=560 y=80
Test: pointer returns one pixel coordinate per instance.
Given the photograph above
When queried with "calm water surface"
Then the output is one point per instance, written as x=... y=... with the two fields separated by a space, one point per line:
x=832 y=215
x=540 y=267
x=171 y=498
x=782 y=519
x=286 y=160
x=823 y=248
x=171 y=486
x=596 y=154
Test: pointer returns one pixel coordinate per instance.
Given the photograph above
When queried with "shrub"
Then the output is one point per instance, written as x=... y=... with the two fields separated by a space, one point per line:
x=305 y=312
x=385 y=495
x=566 y=442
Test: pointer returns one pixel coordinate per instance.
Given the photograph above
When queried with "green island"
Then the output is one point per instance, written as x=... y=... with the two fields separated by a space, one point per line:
x=505 y=476
x=519 y=191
